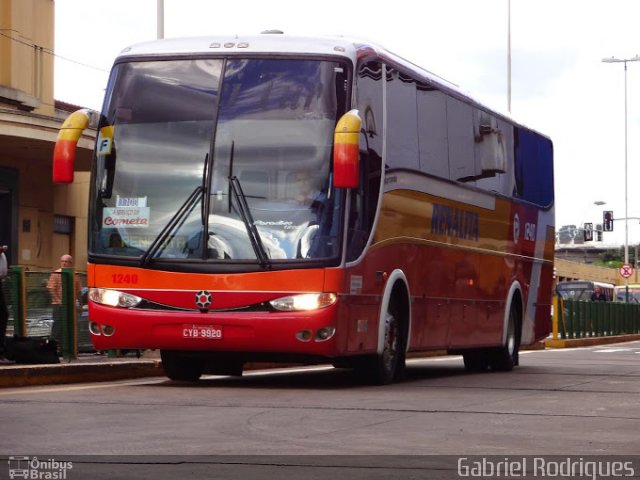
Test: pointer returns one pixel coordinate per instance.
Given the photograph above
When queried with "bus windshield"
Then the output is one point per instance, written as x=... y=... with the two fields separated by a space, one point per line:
x=214 y=159
x=634 y=293
x=585 y=290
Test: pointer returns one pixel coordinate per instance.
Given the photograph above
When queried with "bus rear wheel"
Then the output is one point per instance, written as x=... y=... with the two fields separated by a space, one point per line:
x=181 y=367
x=504 y=358
x=476 y=360
x=500 y=359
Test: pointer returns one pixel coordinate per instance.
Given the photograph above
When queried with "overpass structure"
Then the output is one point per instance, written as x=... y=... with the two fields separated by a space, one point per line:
x=569 y=270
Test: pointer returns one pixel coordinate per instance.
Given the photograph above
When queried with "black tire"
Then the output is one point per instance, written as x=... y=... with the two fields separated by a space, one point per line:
x=389 y=365
x=181 y=367
x=221 y=367
x=476 y=360
x=503 y=359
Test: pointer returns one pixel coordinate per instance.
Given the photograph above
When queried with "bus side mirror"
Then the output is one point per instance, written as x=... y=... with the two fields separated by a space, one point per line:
x=346 y=151
x=64 y=152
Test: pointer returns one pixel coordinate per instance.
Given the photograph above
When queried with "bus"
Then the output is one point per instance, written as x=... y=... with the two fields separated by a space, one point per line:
x=431 y=226
x=621 y=293
x=585 y=290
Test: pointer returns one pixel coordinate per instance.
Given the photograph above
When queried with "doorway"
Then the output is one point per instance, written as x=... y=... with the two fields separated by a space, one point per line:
x=9 y=212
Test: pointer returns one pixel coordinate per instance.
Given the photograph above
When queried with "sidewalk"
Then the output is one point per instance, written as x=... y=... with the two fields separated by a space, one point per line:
x=91 y=367
x=88 y=367
x=590 y=341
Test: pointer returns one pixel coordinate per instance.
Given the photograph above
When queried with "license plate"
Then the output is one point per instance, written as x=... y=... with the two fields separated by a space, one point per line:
x=208 y=332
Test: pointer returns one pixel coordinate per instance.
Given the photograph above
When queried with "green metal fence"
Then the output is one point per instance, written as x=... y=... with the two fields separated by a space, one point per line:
x=32 y=314
x=584 y=319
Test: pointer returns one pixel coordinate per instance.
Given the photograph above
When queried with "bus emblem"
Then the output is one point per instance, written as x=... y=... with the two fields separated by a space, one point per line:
x=203 y=299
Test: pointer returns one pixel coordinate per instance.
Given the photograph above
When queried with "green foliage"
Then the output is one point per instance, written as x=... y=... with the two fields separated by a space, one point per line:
x=612 y=255
x=609 y=264
x=614 y=258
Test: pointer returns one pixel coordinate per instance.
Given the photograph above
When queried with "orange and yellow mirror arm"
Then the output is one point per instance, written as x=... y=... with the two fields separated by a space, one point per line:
x=346 y=151
x=64 y=153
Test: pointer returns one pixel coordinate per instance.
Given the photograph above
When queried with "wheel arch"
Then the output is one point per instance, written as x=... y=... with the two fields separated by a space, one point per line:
x=514 y=299
x=396 y=290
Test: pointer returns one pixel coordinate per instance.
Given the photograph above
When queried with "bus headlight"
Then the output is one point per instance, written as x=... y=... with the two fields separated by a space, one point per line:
x=304 y=301
x=113 y=298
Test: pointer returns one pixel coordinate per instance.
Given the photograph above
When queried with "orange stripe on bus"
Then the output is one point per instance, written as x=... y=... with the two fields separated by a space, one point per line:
x=117 y=277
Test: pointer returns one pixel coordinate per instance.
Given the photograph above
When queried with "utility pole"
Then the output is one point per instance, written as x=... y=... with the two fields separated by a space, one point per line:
x=160 y=19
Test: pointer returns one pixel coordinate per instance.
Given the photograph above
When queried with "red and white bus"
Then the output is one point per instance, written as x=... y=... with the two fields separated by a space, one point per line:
x=427 y=221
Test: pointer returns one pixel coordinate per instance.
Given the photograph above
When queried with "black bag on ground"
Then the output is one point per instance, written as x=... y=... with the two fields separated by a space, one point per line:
x=32 y=350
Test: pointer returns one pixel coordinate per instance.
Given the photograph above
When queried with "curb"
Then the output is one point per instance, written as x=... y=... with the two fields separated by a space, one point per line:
x=22 y=376
x=589 y=342
x=65 y=373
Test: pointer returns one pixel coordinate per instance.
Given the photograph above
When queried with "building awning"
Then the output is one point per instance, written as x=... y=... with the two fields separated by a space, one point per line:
x=30 y=137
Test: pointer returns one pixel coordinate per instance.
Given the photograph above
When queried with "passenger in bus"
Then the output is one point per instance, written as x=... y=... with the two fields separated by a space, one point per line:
x=306 y=193
x=115 y=240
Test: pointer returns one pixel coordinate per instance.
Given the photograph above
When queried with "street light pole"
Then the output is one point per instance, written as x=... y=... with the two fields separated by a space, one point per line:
x=626 y=198
x=160 y=19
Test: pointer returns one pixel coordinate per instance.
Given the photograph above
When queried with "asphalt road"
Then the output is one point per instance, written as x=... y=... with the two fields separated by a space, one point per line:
x=315 y=422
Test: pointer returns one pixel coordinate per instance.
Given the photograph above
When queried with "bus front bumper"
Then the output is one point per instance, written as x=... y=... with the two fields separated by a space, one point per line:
x=306 y=333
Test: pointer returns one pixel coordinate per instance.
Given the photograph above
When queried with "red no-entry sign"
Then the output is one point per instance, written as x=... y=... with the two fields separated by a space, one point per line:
x=626 y=270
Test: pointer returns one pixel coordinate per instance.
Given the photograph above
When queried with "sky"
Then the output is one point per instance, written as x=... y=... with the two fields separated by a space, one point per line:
x=559 y=84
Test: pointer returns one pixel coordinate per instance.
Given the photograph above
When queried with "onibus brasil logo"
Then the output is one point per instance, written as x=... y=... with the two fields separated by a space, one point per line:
x=34 y=468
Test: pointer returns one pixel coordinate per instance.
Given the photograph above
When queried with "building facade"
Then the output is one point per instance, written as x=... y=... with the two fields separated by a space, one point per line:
x=39 y=221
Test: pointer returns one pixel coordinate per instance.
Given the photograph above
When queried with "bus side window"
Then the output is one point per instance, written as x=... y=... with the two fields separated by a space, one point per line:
x=432 y=130
x=364 y=200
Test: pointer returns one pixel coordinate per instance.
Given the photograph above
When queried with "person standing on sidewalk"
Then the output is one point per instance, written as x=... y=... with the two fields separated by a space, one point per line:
x=55 y=289
x=4 y=313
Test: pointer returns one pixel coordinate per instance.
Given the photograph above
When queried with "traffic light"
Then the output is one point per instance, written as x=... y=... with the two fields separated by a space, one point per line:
x=598 y=234
x=607 y=221
x=588 y=232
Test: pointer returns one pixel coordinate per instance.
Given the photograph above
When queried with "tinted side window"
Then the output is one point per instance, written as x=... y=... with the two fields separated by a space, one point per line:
x=460 y=131
x=402 y=128
x=493 y=148
x=364 y=200
x=432 y=130
x=533 y=167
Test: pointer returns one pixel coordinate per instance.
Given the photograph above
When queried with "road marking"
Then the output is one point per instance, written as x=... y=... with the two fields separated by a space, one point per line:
x=612 y=350
x=71 y=387
x=272 y=371
x=150 y=381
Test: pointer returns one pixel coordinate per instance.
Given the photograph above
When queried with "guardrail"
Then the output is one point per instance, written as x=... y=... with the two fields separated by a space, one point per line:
x=32 y=314
x=585 y=319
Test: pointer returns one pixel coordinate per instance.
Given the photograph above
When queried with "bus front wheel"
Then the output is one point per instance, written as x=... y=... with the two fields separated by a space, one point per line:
x=180 y=367
x=389 y=365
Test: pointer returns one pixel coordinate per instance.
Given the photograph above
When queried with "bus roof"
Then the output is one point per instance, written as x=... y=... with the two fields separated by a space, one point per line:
x=241 y=44
x=275 y=41
x=632 y=286
x=349 y=47
x=568 y=283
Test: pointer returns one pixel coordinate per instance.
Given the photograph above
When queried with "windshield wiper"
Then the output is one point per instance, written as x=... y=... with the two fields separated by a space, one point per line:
x=178 y=218
x=247 y=218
